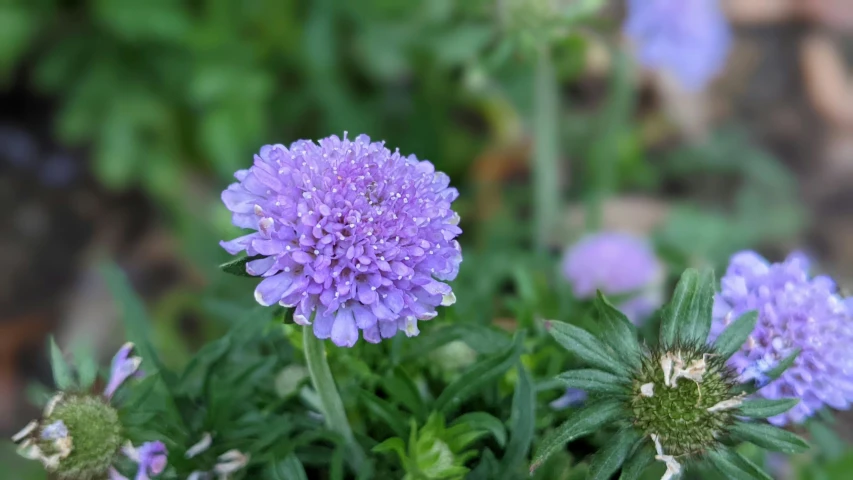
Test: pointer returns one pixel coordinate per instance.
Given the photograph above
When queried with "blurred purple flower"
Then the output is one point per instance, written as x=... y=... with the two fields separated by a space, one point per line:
x=572 y=398
x=687 y=38
x=795 y=311
x=122 y=368
x=618 y=264
x=356 y=237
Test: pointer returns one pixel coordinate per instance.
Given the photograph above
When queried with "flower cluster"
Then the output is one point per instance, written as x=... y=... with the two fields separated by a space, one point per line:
x=796 y=312
x=352 y=235
x=618 y=264
x=80 y=435
x=687 y=38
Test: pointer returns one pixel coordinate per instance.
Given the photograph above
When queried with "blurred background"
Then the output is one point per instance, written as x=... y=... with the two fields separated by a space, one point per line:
x=121 y=121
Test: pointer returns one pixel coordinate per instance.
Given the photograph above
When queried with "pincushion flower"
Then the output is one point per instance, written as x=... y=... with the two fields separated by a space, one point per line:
x=678 y=403
x=354 y=236
x=80 y=434
x=688 y=38
x=618 y=264
x=796 y=312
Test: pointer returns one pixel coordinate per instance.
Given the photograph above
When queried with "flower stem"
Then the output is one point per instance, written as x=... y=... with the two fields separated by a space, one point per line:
x=330 y=400
x=546 y=175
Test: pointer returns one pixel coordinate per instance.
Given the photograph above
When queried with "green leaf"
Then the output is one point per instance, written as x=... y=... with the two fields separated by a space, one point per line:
x=585 y=345
x=482 y=421
x=522 y=422
x=769 y=437
x=582 y=422
x=783 y=365
x=687 y=317
x=238 y=266
x=735 y=335
x=614 y=453
x=592 y=381
x=478 y=376
x=288 y=469
x=637 y=463
x=132 y=313
x=385 y=411
x=620 y=333
x=402 y=389
x=825 y=439
x=393 y=444
x=734 y=465
x=763 y=408
x=85 y=364
x=62 y=376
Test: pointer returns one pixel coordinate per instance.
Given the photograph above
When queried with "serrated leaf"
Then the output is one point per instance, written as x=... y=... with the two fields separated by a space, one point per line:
x=591 y=381
x=479 y=375
x=619 y=333
x=769 y=437
x=583 y=344
x=687 y=317
x=522 y=422
x=637 y=463
x=238 y=266
x=582 y=422
x=734 y=465
x=62 y=376
x=288 y=469
x=484 y=422
x=613 y=454
x=735 y=335
x=763 y=408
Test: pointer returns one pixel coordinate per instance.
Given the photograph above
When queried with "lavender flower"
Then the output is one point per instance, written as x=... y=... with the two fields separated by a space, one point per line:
x=618 y=264
x=688 y=38
x=123 y=367
x=356 y=237
x=795 y=311
x=79 y=435
x=150 y=457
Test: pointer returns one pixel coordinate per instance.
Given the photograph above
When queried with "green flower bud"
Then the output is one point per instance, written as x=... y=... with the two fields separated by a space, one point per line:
x=685 y=397
x=90 y=427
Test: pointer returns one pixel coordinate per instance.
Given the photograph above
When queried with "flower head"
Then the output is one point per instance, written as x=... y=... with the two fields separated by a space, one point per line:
x=617 y=264
x=80 y=434
x=795 y=312
x=688 y=38
x=679 y=397
x=356 y=237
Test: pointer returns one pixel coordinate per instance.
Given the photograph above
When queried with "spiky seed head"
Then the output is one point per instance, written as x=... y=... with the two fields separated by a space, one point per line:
x=94 y=431
x=682 y=395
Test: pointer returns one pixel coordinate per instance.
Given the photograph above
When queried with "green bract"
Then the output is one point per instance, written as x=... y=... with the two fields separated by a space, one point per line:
x=677 y=403
x=436 y=451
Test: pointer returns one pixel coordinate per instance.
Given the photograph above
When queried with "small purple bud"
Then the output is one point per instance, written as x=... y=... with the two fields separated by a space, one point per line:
x=123 y=367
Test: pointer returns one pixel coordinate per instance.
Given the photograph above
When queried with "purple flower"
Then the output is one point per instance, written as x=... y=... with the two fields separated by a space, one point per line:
x=618 y=264
x=123 y=367
x=572 y=398
x=150 y=459
x=795 y=311
x=356 y=237
x=687 y=38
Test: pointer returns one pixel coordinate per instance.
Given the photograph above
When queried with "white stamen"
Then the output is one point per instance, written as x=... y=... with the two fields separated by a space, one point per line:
x=647 y=389
x=201 y=446
x=726 y=405
x=25 y=432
